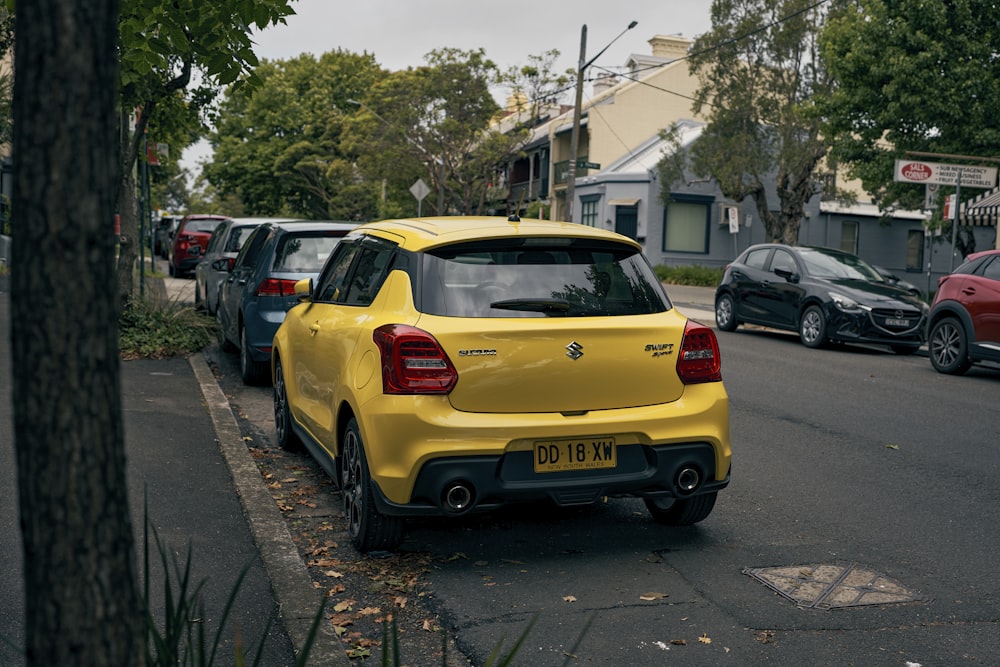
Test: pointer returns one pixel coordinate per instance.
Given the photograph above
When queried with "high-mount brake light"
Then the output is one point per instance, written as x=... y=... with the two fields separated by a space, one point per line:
x=413 y=362
x=699 y=360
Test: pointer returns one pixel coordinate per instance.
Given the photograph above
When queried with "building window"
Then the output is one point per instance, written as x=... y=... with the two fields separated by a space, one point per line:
x=914 y=250
x=849 y=236
x=685 y=225
x=588 y=205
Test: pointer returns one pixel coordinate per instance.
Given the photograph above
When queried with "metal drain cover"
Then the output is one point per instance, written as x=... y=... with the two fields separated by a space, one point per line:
x=833 y=586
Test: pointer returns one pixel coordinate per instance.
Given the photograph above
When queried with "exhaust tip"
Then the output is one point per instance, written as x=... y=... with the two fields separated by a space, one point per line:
x=687 y=480
x=458 y=497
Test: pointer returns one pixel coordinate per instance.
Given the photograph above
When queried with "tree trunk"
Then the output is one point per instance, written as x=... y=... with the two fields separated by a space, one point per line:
x=82 y=605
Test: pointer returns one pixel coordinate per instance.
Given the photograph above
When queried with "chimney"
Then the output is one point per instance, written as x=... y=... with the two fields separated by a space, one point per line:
x=670 y=46
x=604 y=81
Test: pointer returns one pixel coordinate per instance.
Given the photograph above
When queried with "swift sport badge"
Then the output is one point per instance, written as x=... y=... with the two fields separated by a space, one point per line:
x=660 y=349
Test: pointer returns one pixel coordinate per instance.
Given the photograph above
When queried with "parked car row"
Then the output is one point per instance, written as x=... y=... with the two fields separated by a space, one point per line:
x=258 y=289
x=830 y=296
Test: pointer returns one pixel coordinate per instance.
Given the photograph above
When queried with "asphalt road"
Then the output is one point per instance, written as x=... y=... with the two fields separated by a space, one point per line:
x=857 y=530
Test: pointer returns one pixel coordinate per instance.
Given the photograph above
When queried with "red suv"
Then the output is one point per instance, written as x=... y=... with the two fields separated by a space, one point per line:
x=964 y=324
x=190 y=241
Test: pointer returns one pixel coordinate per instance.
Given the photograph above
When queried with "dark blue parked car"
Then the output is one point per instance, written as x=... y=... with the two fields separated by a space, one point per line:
x=259 y=290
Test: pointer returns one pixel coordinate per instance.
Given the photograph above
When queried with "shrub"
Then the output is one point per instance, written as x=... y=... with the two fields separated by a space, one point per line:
x=699 y=276
x=151 y=330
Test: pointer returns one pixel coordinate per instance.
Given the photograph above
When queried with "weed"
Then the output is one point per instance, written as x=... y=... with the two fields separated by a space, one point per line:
x=149 y=329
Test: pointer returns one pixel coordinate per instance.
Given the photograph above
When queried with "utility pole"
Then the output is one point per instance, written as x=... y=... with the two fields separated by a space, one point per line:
x=574 y=142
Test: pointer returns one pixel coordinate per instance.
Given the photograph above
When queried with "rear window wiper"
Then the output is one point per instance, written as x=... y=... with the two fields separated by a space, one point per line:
x=533 y=305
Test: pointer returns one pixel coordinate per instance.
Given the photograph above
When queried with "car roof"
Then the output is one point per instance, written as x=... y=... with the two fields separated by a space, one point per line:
x=418 y=234
x=260 y=221
x=982 y=253
x=313 y=225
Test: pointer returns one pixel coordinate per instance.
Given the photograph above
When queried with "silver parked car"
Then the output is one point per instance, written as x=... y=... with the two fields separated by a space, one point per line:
x=220 y=255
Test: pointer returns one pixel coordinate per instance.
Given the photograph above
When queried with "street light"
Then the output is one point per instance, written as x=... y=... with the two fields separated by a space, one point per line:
x=574 y=142
x=438 y=161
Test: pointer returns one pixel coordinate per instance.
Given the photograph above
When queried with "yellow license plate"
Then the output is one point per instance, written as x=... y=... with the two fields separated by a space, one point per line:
x=579 y=454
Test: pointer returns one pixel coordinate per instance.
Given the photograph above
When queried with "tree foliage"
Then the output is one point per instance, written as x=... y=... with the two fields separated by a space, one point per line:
x=437 y=122
x=163 y=46
x=760 y=76
x=913 y=75
x=277 y=147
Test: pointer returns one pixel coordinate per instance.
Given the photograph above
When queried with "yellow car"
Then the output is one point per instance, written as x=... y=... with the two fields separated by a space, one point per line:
x=439 y=366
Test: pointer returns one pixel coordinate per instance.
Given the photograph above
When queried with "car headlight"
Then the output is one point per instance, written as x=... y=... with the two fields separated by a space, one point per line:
x=846 y=304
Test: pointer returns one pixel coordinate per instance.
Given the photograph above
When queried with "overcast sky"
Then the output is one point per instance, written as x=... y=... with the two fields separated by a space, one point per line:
x=399 y=33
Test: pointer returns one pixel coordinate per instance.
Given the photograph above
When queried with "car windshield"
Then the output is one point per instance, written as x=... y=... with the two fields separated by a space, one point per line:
x=304 y=253
x=835 y=265
x=539 y=278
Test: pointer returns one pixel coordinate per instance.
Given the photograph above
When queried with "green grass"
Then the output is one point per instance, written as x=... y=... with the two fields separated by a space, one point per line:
x=698 y=276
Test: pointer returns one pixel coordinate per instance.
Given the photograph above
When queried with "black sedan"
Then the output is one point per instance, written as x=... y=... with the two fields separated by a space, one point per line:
x=823 y=294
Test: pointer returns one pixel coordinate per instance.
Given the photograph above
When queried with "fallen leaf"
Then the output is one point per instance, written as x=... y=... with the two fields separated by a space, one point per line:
x=890 y=446
x=334 y=574
x=705 y=639
x=343 y=606
x=653 y=596
x=400 y=601
x=679 y=642
x=569 y=598
x=429 y=625
x=369 y=611
x=456 y=556
x=247 y=438
x=339 y=629
x=289 y=480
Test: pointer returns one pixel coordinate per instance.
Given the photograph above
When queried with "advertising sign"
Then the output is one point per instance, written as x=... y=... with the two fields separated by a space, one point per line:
x=918 y=171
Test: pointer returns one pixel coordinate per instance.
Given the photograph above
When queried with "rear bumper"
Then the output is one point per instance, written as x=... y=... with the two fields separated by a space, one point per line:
x=418 y=446
x=489 y=482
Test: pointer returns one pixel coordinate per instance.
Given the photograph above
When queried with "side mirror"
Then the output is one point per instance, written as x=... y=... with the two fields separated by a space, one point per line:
x=790 y=276
x=303 y=289
x=222 y=264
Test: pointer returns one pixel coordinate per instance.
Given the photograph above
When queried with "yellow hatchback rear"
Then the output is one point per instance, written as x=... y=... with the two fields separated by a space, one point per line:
x=441 y=366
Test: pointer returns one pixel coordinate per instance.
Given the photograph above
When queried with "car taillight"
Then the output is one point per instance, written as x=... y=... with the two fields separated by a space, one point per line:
x=699 y=360
x=275 y=287
x=413 y=362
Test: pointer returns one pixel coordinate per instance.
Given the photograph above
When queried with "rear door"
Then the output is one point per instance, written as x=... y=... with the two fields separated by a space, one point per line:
x=981 y=297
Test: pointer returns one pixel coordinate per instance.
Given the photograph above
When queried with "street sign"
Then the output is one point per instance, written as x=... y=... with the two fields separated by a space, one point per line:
x=583 y=164
x=419 y=190
x=916 y=171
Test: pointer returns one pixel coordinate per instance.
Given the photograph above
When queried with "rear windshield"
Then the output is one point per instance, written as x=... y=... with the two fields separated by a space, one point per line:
x=305 y=253
x=204 y=225
x=539 y=278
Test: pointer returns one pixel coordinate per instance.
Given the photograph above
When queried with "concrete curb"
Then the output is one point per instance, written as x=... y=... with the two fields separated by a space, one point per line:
x=293 y=587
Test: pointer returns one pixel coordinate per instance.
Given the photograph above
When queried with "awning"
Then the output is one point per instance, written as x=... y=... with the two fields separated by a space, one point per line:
x=622 y=202
x=982 y=210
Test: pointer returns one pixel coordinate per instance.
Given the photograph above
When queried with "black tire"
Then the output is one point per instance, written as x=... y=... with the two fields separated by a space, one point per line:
x=682 y=511
x=904 y=350
x=286 y=437
x=812 y=327
x=171 y=270
x=948 y=347
x=725 y=313
x=369 y=529
x=252 y=372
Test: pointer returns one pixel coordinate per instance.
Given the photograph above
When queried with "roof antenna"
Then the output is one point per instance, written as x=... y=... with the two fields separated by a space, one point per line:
x=514 y=217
